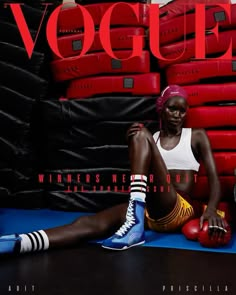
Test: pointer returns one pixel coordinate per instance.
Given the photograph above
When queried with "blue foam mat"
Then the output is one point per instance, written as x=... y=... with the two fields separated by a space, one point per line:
x=21 y=221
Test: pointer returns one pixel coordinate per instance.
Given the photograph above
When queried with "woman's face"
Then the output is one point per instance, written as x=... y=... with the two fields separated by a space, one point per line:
x=174 y=112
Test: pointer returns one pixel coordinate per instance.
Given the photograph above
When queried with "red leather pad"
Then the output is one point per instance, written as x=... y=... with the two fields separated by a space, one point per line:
x=121 y=38
x=195 y=71
x=211 y=117
x=143 y=84
x=201 y=188
x=173 y=29
x=179 y=7
x=99 y=63
x=222 y=139
x=185 y=50
x=210 y=93
x=71 y=18
x=225 y=163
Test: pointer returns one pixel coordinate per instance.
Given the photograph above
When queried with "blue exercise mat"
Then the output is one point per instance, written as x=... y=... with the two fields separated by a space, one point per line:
x=22 y=221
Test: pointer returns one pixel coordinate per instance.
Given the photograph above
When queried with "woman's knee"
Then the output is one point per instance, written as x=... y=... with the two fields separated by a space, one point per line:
x=86 y=222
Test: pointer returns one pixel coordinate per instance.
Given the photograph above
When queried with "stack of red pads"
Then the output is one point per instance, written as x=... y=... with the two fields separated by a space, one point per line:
x=210 y=85
x=96 y=73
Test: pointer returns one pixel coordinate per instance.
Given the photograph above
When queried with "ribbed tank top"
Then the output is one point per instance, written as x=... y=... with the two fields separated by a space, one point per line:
x=181 y=156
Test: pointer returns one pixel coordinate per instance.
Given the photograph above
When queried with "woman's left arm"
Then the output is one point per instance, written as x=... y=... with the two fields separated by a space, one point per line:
x=203 y=147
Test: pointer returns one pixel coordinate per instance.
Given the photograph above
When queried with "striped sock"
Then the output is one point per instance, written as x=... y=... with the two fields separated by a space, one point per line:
x=35 y=241
x=138 y=187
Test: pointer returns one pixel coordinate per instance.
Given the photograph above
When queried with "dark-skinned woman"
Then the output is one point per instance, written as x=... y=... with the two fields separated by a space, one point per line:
x=171 y=153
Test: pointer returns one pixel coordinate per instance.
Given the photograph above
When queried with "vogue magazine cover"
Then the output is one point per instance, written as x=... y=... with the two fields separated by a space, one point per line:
x=117 y=147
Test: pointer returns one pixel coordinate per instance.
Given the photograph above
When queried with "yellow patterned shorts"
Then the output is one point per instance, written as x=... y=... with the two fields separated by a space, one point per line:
x=182 y=212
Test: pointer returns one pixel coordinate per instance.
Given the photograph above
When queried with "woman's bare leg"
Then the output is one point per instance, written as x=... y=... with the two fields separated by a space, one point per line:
x=143 y=155
x=99 y=225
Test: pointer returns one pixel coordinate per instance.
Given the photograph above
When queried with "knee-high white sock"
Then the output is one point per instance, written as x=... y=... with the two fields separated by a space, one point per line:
x=35 y=241
x=138 y=187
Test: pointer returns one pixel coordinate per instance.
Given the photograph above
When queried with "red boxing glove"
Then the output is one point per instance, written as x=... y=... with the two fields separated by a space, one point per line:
x=191 y=229
x=216 y=240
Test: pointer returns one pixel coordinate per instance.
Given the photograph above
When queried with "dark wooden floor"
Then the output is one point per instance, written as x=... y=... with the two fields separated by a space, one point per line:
x=91 y=270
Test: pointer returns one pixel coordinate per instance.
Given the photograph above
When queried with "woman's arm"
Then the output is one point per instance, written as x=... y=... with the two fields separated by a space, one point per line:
x=203 y=147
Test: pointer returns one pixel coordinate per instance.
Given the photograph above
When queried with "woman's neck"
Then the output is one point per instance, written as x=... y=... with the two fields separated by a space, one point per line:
x=171 y=132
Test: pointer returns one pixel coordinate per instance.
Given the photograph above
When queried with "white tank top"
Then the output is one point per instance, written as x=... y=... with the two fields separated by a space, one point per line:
x=181 y=156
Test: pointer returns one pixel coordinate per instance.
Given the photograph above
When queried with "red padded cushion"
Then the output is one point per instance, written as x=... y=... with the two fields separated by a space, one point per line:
x=222 y=139
x=71 y=18
x=173 y=29
x=193 y=72
x=201 y=94
x=211 y=117
x=178 y=7
x=71 y=45
x=99 y=63
x=185 y=50
x=139 y=84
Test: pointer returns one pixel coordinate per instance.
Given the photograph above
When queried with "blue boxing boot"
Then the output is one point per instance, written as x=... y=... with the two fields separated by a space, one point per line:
x=131 y=233
x=10 y=244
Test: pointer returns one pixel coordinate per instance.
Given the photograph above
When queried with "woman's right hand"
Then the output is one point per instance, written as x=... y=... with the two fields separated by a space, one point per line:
x=133 y=129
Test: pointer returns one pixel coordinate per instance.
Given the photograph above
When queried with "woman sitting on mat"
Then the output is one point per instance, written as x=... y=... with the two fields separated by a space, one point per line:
x=171 y=151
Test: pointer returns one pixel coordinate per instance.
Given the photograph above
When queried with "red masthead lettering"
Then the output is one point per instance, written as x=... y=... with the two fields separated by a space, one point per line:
x=104 y=31
x=51 y=30
x=200 y=24
x=154 y=34
x=23 y=28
